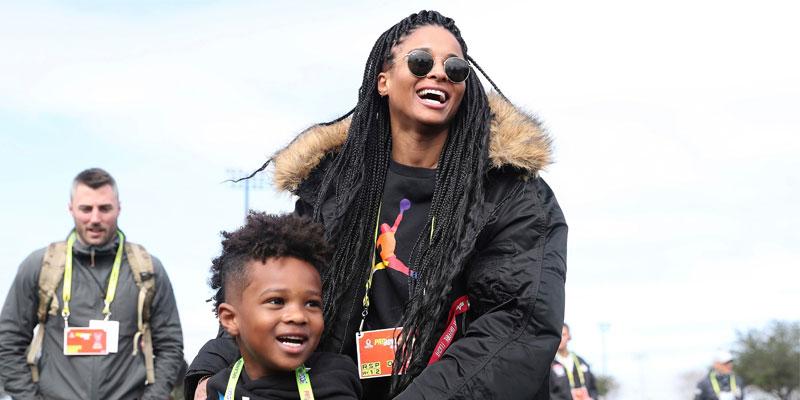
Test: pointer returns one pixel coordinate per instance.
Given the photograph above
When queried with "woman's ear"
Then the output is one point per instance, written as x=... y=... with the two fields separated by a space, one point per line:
x=227 y=317
x=383 y=84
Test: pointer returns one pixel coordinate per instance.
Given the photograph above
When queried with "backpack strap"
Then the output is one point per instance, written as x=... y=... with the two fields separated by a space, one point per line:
x=50 y=275
x=142 y=270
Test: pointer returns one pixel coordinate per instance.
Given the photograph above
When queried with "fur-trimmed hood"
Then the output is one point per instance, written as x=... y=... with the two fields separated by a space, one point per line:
x=516 y=139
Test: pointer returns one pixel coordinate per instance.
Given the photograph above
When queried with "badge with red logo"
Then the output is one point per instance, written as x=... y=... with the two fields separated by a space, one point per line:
x=375 y=352
x=85 y=341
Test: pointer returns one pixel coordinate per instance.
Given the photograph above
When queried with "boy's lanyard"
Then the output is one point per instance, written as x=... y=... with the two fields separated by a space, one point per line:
x=579 y=367
x=301 y=375
x=112 y=280
x=715 y=383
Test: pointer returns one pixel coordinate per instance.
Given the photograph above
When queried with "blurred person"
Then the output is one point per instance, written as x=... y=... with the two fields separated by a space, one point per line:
x=570 y=375
x=449 y=246
x=720 y=383
x=104 y=308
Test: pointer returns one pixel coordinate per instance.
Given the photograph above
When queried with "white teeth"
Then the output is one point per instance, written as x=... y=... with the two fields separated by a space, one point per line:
x=291 y=340
x=438 y=93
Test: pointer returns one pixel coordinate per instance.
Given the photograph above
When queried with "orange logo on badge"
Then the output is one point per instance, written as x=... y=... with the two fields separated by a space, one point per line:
x=376 y=352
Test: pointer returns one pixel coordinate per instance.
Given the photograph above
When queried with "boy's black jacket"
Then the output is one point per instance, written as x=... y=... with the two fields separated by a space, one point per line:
x=333 y=377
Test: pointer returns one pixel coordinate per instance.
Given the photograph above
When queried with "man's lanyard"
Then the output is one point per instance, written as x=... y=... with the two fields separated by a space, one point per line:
x=112 y=280
x=300 y=374
x=715 y=383
x=577 y=365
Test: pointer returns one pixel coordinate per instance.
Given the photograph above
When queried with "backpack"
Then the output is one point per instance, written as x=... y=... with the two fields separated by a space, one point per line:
x=50 y=276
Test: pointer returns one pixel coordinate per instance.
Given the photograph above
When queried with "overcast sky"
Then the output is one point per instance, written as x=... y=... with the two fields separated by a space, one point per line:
x=676 y=128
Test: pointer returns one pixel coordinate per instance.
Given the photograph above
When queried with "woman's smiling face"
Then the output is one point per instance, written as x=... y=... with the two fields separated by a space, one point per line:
x=429 y=101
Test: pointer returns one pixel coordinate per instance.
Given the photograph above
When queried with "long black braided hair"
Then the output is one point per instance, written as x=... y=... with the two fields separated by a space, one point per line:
x=355 y=178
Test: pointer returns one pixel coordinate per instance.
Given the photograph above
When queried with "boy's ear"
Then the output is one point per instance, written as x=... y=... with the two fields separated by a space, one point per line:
x=227 y=317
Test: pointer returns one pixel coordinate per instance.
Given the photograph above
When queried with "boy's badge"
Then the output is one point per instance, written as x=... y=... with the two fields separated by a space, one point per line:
x=112 y=332
x=375 y=352
x=85 y=341
x=558 y=369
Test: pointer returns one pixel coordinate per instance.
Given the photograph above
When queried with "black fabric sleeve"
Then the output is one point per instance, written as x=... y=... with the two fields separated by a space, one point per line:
x=508 y=348
x=17 y=321
x=216 y=384
x=167 y=336
x=334 y=376
x=216 y=355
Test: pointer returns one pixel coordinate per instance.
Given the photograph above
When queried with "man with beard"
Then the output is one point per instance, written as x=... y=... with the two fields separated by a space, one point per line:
x=104 y=307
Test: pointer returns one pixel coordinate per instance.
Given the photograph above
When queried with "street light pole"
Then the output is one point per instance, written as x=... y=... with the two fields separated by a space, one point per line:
x=603 y=329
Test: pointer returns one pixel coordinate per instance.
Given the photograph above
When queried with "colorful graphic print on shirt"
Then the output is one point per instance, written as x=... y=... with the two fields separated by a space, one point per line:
x=387 y=243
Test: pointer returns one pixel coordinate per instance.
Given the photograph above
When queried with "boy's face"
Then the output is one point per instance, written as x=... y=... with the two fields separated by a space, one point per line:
x=277 y=318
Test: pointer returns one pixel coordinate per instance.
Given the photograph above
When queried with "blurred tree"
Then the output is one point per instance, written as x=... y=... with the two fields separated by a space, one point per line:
x=605 y=384
x=770 y=359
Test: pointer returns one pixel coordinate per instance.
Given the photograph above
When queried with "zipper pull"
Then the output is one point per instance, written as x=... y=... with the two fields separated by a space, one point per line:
x=92 y=256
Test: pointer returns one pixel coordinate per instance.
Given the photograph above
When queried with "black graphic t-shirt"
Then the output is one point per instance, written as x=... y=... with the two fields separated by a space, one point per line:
x=407 y=196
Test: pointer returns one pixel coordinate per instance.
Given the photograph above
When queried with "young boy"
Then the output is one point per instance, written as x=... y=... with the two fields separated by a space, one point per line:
x=269 y=299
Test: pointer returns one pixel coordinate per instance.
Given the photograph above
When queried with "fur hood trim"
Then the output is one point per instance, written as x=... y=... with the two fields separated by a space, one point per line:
x=516 y=139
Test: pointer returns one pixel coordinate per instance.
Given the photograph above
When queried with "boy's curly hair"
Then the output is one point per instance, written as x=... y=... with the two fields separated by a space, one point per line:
x=262 y=237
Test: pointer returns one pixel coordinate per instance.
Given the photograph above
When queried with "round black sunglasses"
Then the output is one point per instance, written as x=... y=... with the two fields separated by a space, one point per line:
x=420 y=62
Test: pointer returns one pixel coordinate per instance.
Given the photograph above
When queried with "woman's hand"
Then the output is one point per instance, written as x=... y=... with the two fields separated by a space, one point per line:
x=200 y=392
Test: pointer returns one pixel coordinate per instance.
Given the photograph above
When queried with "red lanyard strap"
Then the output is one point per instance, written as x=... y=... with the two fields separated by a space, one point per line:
x=460 y=306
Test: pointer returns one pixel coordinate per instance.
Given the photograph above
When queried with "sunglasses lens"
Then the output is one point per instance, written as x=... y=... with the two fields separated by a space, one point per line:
x=457 y=69
x=420 y=63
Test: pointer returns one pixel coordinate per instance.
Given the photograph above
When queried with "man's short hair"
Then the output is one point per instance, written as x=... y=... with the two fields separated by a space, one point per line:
x=94 y=178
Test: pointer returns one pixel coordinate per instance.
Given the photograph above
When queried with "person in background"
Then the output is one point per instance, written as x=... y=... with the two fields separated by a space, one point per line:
x=570 y=375
x=720 y=383
x=104 y=306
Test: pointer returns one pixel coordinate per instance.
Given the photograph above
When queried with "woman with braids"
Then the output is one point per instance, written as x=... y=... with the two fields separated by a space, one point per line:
x=429 y=190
